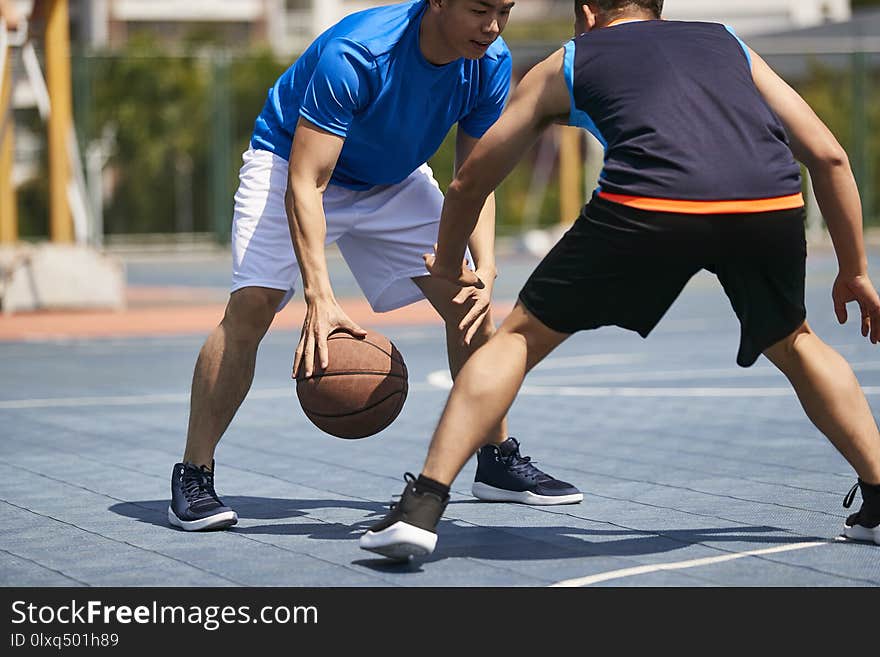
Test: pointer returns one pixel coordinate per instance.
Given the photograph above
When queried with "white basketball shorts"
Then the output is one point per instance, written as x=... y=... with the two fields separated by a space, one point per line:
x=382 y=232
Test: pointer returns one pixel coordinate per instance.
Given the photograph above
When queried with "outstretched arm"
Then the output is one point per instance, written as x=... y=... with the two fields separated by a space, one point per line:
x=540 y=99
x=836 y=193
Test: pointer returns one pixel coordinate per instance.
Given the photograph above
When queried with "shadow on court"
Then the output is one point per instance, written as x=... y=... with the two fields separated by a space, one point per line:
x=497 y=543
x=154 y=512
x=554 y=543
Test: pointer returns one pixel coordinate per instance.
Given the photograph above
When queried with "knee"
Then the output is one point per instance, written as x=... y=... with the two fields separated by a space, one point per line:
x=527 y=333
x=250 y=312
x=793 y=347
x=450 y=312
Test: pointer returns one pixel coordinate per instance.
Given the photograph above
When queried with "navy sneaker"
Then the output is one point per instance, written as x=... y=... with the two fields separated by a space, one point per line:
x=194 y=504
x=865 y=524
x=409 y=529
x=503 y=475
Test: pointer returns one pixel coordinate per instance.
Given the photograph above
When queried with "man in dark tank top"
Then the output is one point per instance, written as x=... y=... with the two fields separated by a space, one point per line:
x=700 y=172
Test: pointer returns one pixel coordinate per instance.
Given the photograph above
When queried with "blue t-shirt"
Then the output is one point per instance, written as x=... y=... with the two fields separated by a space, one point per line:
x=365 y=79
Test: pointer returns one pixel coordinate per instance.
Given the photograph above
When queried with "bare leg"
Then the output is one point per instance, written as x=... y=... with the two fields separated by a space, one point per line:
x=484 y=390
x=440 y=295
x=832 y=398
x=224 y=370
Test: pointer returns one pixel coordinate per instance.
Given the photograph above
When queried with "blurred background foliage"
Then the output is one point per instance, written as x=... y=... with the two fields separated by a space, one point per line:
x=177 y=126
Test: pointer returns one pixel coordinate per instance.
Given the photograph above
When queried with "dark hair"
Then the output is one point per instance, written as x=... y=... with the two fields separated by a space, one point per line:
x=654 y=6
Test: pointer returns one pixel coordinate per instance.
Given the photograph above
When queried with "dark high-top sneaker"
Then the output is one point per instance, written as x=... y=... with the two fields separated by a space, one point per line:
x=409 y=528
x=194 y=504
x=865 y=524
x=503 y=475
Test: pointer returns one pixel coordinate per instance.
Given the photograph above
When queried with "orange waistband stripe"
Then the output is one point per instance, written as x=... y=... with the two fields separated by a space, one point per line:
x=707 y=207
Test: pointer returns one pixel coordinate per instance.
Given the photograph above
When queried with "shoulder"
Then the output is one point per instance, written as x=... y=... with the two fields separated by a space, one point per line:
x=351 y=50
x=497 y=54
x=650 y=34
x=496 y=63
x=377 y=31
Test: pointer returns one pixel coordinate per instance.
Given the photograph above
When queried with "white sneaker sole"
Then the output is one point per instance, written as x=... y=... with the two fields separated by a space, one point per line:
x=218 y=521
x=400 y=542
x=859 y=533
x=489 y=493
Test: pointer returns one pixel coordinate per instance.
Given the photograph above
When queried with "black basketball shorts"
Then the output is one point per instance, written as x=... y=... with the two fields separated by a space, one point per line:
x=621 y=266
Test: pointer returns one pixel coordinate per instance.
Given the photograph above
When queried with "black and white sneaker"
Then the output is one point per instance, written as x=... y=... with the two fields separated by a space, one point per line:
x=409 y=528
x=865 y=524
x=194 y=504
x=503 y=475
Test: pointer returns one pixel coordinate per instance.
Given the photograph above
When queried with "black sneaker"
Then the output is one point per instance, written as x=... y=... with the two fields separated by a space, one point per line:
x=865 y=524
x=409 y=528
x=194 y=504
x=503 y=475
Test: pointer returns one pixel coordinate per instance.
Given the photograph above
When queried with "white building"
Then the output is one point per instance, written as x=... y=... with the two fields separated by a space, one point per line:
x=750 y=17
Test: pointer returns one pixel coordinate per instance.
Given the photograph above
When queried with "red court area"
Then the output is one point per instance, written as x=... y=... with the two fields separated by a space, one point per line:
x=175 y=311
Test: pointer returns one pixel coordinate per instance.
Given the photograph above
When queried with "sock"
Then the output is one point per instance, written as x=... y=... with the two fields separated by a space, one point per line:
x=871 y=491
x=508 y=447
x=426 y=485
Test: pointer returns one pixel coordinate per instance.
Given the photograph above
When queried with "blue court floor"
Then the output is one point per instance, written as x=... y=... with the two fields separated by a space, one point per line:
x=695 y=472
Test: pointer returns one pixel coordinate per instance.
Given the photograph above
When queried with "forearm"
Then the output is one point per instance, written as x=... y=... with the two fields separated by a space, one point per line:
x=482 y=240
x=838 y=198
x=813 y=144
x=308 y=230
x=468 y=213
x=461 y=213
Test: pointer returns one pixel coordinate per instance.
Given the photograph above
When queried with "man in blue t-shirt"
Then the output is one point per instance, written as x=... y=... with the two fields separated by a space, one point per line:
x=339 y=154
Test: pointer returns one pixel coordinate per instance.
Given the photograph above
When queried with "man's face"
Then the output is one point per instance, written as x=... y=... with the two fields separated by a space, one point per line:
x=471 y=26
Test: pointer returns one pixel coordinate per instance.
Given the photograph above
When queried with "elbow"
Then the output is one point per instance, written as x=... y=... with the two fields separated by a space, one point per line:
x=834 y=157
x=465 y=190
x=828 y=157
x=300 y=189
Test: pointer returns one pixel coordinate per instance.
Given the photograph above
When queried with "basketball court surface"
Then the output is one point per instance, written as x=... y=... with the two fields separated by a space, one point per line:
x=695 y=472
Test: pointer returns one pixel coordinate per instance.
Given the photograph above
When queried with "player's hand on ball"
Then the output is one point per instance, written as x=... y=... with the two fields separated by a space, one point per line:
x=860 y=289
x=322 y=319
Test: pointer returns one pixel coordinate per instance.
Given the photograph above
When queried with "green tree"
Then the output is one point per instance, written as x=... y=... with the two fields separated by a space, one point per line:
x=160 y=110
x=829 y=91
x=156 y=106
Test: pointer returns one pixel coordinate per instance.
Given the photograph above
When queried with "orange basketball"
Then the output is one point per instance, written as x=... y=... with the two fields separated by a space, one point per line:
x=362 y=390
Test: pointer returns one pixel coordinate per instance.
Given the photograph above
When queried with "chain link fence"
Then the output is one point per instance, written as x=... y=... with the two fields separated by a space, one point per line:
x=161 y=138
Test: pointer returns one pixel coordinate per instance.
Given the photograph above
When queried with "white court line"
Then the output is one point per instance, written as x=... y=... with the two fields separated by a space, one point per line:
x=130 y=400
x=435 y=383
x=679 y=565
x=146 y=400
x=441 y=379
x=587 y=391
x=72 y=402
x=589 y=377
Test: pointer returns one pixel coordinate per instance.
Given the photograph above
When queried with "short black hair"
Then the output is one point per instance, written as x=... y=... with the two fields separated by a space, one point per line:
x=654 y=6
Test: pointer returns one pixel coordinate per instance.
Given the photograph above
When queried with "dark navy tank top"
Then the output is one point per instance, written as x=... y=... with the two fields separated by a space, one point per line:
x=684 y=127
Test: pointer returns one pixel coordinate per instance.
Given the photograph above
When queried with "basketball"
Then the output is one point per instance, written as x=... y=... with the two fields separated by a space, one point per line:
x=362 y=390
